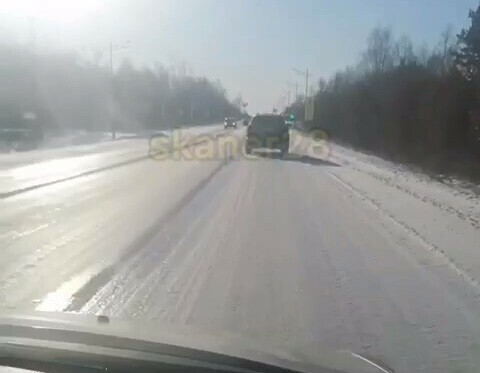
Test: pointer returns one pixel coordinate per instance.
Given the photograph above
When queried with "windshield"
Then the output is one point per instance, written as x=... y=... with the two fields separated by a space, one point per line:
x=268 y=123
x=299 y=172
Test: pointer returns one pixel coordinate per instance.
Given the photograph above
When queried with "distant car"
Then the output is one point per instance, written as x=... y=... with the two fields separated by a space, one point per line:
x=230 y=122
x=267 y=131
x=245 y=121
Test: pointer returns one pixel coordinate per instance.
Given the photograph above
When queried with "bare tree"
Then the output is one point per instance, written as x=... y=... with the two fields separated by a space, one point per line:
x=72 y=93
x=423 y=54
x=445 y=46
x=403 y=52
x=378 y=56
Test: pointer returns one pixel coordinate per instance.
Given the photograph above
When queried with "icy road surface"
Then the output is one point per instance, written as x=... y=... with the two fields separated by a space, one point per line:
x=347 y=251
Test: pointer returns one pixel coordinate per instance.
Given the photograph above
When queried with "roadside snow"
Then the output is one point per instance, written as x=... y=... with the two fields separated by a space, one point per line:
x=455 y=197
x=444 y=218
x=75 y=138
x=21 y=171
x=81 y=143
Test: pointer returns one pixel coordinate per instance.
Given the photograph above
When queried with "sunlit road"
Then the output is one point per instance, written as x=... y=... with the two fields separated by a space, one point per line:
x=274 y=248
x=20 y=171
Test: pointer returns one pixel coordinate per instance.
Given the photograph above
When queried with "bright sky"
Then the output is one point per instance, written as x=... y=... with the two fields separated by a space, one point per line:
x=251 y=46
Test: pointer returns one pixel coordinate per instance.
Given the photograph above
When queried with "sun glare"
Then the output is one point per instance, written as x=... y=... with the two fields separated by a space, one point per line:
x=51 y=10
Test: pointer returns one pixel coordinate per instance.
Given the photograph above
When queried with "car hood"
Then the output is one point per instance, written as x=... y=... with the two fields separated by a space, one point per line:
x=128 y=335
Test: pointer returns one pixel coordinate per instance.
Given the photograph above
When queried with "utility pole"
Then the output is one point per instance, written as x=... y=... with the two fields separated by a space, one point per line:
x=306 y=74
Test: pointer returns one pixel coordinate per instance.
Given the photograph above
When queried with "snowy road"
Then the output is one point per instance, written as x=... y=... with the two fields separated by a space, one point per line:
x=346 y=252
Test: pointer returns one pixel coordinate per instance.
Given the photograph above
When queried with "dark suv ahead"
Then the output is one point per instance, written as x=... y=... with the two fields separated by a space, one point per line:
x=267 y=131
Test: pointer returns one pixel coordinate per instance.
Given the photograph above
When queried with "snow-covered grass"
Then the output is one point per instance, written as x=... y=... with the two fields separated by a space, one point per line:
x=444 y=217
x=453 y=195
